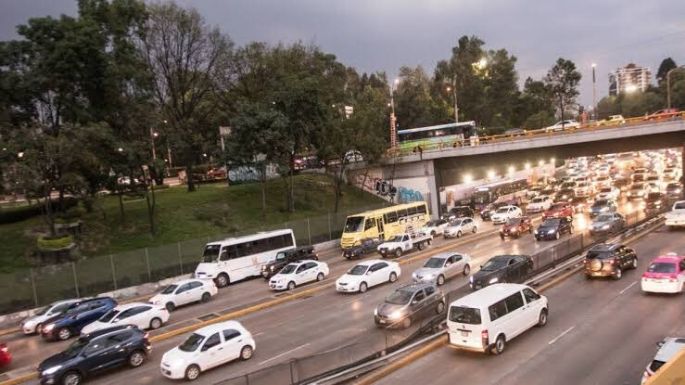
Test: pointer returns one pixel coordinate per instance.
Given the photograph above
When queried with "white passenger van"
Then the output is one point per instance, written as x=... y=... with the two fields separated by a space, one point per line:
x=234 y=259
x=487 y=319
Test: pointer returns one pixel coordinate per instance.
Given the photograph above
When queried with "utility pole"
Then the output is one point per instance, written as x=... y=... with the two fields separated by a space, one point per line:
x=594 y=92
x=393 y=119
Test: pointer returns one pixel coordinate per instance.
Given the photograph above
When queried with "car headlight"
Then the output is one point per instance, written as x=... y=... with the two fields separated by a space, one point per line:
x=396 y=314
x=375 y=312
x=51 y=370
x=48 y=328
x=535 y=231
x=551 y=231
x=471 y=279
x=603 y=209
x=428 y=276
x=493 y=280
x=605 y=227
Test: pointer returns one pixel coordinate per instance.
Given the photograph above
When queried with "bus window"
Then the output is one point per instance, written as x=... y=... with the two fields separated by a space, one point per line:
x=287 y=240
x=422 y=209
x=211 y=253
x=354 y=224
x=369 y=224
x=401 y=213
x=412 y=210
x=391 y=217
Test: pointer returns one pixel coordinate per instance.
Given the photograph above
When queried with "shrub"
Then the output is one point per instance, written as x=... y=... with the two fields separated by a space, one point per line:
x=18 y=214
x=56 y=243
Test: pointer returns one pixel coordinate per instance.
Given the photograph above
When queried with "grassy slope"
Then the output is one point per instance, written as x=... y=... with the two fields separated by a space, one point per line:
x=213 y=209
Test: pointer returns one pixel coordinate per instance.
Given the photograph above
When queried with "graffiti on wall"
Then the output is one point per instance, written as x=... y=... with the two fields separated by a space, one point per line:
x=386 y=189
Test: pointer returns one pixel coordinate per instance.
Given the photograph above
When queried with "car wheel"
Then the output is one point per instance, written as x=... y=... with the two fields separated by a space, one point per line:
x=406 y=323
x=246 y=352
x=467 y=270
x=72 y=378
x=441 y=280
x=433 y=233
x=398 y=253
x=320 y=277
x=64 y=334
x=430 y=241
x=205 y=297
x=500 y=344
x=556 y=236
x=420 y=246
x=501 y=236
x=39 y=328
x=542 y=319
x=363 y=287
x=459 y=234
x=618 y=274
x=291 y=285
x=474 y=230
x=155 y=323
x=222 y=280
x=192 y=372
x=136 y=359
x=170 y=307
x=393 y=277
x=633 y=265
x=440 y=308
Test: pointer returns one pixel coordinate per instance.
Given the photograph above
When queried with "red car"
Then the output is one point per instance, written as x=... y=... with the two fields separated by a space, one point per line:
x=559 y=210
x=666 y=113
x=515 y=227
x=5 y=355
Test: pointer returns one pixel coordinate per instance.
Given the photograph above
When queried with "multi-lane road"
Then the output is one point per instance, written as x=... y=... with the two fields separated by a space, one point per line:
x=318 y=322
x=599 y=332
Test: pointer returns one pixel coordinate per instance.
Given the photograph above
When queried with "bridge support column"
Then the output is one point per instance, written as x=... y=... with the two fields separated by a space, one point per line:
x=682 y=177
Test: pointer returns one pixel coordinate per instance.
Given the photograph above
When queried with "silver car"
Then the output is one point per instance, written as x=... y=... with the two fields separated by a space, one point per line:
x=443 y=266
x=459 y=227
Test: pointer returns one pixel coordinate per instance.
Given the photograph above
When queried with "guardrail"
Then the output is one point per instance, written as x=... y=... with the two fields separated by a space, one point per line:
x=595 y=126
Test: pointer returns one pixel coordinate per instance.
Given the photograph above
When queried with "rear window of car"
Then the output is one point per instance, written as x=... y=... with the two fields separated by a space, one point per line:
x=599 y=254
x=655 y=365
x=465 y=315
x=662 y=267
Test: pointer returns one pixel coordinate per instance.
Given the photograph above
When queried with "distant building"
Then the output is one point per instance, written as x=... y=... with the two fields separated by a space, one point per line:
x=629 y=78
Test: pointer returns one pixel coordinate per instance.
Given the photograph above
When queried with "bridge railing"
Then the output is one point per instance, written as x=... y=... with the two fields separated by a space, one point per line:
x=543 y=132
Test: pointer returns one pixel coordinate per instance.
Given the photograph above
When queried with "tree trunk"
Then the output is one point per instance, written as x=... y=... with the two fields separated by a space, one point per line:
x=189 y=177
x=291 y=196
x=49 y=213
x=150 y=192
x=264 y=192
x=338 y=185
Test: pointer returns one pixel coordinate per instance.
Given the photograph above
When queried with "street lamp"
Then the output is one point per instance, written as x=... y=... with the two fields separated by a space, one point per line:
x=468 y=178
x=153 y=135
x=668 y=85
x=453 y=88
x=594 y=92
x=527 y=166
x=393 y=119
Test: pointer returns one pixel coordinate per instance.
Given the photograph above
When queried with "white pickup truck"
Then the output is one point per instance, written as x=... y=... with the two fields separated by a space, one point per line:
x=403 y=243
x=676 y=217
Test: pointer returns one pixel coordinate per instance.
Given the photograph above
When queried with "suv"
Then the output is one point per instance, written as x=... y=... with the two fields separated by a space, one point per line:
x=515 y=227
x=668 y=348
x=95 y=352
x=609 y=260
x=655 y=201
x=559 y=210
x=367 y=245
x=408 y=304
x=287 y=256
x=458 y=212
x=79 y=314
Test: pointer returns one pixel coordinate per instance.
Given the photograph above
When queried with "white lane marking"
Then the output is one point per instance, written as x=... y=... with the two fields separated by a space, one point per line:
x=629 y=286
x=258 y=334
x=283 y=354
x=561 y=335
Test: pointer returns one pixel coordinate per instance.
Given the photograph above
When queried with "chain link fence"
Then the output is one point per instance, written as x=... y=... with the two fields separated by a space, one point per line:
x=29 y=288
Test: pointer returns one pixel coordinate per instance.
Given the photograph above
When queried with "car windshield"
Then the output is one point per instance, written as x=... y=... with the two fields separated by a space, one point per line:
x=494 y=264
x=672 y=186
x=599 y=254
x=538 y=200
x=280 y=256
x=458 y=222
x=109 y=316
x=400 y=297
x=42 y=311
x=662 y=267
x=465 y=315
x=288 y=269
x=514 y=221
x=551 y=222
x=397 y=238
x=358 y=270
x=433 y=223
x=169 y=289
x=605 y=190
x=434 y=263
x=637 y=186
x=600 y=202
x=192 y=343
x=679 y=206
x=354 y=224
x=605 y=218
x=653 y=196
x=211 y=253
x=503 y=210
x=557 y=207
x=76 y=347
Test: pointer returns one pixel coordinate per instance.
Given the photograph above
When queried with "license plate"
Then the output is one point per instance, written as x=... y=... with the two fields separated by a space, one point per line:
x=465 y=333
x=382 y=321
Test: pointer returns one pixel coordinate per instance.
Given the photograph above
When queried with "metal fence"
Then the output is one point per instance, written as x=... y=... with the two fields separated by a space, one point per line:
x=29 y=288
x=376 y=343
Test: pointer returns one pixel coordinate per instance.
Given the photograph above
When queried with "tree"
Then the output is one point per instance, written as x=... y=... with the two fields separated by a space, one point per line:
x=414 y=102
x=501 y=89
x=187 y=59
x=563 y=80
x=665 y=66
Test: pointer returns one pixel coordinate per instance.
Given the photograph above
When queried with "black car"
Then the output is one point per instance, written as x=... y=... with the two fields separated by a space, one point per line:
x=368 y=245
x=94 y=353
x=490 y=209
x=502 y=268
x=285 y=257
x=81 y=313
x=674 y=190
x=655 y=201
x=458 y=212
x=408 y=304
x=552 y=228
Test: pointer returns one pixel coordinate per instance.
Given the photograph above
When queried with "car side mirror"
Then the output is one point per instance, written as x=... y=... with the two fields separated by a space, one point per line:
x=660 y=344
x=205 y=348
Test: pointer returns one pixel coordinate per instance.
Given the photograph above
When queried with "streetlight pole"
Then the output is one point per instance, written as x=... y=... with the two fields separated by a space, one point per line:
x=594 y=91
x=393 y=119
x=453 y=88
x=153 y=135
x=668 y=85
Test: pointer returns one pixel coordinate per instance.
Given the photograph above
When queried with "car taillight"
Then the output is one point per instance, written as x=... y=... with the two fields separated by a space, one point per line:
x=146 y=335
x=612 y=262
x=485 y=338
x=4 y=349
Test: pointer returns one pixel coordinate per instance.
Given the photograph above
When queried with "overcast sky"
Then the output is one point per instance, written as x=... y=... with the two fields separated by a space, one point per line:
x=382 y=35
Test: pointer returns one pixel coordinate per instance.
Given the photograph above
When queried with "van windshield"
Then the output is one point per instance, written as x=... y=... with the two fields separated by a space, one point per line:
x=211 y=253
x=354 y=224
x=465 y=315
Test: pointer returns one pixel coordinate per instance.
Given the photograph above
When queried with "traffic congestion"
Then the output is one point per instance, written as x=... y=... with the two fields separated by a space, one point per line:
x=393 y=271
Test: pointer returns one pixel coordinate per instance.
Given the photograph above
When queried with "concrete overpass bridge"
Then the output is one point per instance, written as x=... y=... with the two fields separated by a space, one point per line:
x=436 y=170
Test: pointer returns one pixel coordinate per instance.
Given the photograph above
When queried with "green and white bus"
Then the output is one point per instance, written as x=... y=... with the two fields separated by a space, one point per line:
x=445 y=135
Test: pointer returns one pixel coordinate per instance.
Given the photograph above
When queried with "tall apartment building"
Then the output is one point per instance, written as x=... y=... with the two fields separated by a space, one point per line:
x=629 y=78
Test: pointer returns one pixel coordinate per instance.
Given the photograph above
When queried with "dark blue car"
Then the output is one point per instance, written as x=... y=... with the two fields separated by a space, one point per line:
x=79 y=314
x=94 y=353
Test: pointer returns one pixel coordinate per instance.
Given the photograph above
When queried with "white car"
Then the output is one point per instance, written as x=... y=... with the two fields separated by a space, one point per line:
x=676 y=217
x=142 y=315
x=207 y=348
x=33 y=324
x=443 y=266
x=368 y=274
x=583 y=189
x=568 y=124
x=668 y=348
x=185 y=292
x=459 y=227
x=602 y=181
x=539 y=204
x=298 y=273
x=612 y=193
x=505 y=213
x=435 y=227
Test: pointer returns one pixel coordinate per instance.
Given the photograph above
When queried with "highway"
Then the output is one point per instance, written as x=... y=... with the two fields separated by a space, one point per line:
x=599 y=332
x=318 y=322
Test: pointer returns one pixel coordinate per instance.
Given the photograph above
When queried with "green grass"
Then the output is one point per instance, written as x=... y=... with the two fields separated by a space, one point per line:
x=212 y=210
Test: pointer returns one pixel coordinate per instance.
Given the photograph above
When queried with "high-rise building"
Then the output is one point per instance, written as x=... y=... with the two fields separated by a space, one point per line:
x=629 y=78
